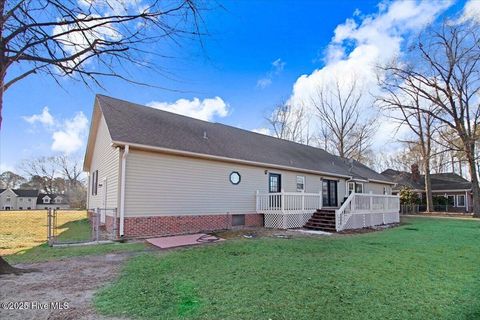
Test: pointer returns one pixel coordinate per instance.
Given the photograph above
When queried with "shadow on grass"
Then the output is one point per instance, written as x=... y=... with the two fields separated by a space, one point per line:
x=74 y=231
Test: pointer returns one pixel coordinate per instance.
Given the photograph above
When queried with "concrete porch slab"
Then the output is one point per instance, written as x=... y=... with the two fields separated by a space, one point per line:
x=183 y=240
x=313 y=232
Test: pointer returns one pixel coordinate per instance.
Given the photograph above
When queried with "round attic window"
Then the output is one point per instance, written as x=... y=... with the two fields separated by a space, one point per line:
x=235 y=177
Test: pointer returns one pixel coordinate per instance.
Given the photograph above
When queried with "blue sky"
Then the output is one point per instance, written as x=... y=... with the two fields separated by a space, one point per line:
x=254 y=58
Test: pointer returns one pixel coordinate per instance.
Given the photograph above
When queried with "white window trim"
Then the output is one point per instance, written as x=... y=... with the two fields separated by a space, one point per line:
x=363 y=187
x=454 y=199
x=46 y=199
x=354 y=183
x=296 y=183
x=464 y=200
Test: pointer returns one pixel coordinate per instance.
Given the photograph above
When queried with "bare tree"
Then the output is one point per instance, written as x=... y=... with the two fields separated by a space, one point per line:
x=290 y=123
x=344 y=128
x=43 y=170
x=403 y=104
x=444 y=68
x=86 y=40
x=9 y=179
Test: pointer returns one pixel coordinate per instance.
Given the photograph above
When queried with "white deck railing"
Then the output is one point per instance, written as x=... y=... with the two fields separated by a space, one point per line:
x=287 y=209
x=362 y=210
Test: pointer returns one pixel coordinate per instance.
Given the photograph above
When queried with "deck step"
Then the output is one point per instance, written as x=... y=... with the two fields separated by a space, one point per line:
x=322 y=220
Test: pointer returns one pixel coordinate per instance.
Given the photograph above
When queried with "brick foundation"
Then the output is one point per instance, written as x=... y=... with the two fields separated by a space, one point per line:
x=142 y=227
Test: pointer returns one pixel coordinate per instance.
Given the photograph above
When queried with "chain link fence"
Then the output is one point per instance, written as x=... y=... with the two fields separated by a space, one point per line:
x=21 y=230
x=81 y=226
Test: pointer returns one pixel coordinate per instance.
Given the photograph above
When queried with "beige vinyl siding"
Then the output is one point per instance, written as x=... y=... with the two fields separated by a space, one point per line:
x=162 y=184
x=376 y=188
x=105 y=159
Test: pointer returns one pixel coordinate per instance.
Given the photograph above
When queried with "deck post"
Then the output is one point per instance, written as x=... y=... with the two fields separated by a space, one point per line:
x=320 y=199
x=303 y=201
x=257 y=200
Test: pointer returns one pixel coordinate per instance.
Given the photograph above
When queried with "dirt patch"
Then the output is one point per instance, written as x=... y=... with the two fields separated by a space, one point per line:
x=72 y=281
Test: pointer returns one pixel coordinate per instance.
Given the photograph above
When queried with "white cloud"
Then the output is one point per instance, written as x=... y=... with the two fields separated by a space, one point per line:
x=205 y=109
x=68 y=135
x=264 y=131
x=71 y=134
x=471 y=11
x=276 y=69
x=361 y=43
x=44 y=118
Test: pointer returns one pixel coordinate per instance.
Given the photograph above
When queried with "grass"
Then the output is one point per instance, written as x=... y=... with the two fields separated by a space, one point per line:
x=425 y=269
x=23 y=237
x=23 y=230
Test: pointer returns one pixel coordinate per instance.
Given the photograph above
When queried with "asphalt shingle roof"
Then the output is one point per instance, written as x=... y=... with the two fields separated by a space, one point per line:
x=439 y=181
x=132 y=123
x=51 y=196
x=23 y=192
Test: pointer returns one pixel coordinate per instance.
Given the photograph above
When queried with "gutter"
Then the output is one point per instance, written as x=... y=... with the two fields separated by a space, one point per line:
x=122 y=190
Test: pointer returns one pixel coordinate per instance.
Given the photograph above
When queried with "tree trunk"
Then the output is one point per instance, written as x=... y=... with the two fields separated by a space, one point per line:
x=6 y=268
x=474 y=179
x=428 y=187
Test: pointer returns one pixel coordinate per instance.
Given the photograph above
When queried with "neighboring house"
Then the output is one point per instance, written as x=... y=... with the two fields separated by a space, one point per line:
x=26 y=199
x=450 y=191
x=18 y=199
x=165 y=174
x=51 y=201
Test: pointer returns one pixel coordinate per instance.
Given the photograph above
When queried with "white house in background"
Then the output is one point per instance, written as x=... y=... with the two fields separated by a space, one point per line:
x=18 y=199
x=51 y=201
x=26 y=199
x=161 y=173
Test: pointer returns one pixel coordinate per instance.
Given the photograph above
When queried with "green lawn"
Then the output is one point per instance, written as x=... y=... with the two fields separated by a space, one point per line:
x=75 y=231
x=425 y=269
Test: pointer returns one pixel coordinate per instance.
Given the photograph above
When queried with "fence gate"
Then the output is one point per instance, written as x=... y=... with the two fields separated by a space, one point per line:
x=69 y=226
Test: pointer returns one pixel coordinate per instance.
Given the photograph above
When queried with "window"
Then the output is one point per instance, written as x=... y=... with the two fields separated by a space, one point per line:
x=329 y=193
x=20 y=208
x=58 y=199
x=29 y=200
x=46 y=199
x=451 y=201
x=461 y=200
x=8 y=199
x=274 y=182
x=358 y=187
x=385 y=190
x=20 y=199
x=94 y=183
x=235 y=178
x=29 y=208
x=300 y=183
x=238 y=220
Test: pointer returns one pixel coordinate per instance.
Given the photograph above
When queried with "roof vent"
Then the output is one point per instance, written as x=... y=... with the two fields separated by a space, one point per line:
x=205 y=135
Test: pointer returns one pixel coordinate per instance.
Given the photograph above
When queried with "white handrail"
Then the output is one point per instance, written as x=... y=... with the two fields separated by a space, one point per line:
x=364 y=203
x=340 y=214
x=288 y=202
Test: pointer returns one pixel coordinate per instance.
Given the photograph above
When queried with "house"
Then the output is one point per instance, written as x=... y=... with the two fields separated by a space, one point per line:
x=28 y=199
x=51 y=201
x=161 y=173
x=18 y=199
x=451 y=192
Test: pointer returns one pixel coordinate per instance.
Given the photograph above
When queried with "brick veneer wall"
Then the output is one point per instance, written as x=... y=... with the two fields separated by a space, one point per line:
x=141 y=227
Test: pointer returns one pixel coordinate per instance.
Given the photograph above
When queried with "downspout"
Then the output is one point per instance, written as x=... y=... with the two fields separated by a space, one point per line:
x=122 y=190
